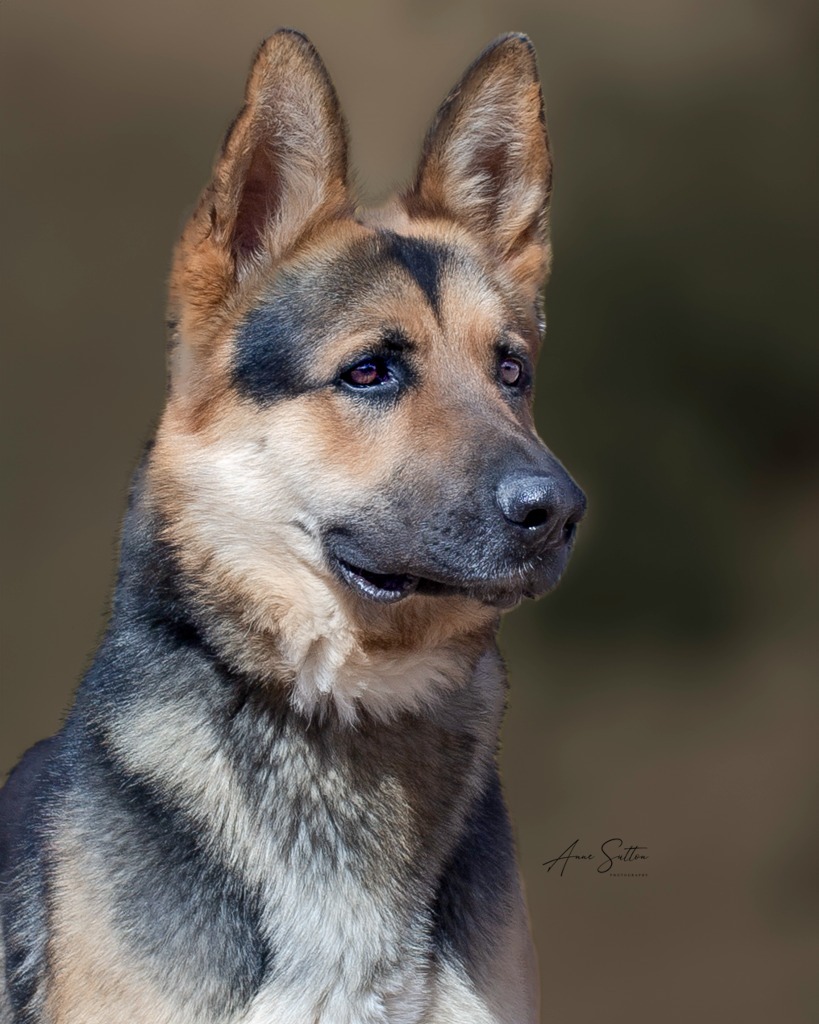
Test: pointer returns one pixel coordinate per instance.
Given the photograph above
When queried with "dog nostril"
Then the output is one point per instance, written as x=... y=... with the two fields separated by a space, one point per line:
x=537 y=517
x=569 y=530
x=529 y=502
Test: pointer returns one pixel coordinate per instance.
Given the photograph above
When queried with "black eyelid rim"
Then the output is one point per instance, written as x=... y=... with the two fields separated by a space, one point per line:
x=389 y=377
x=391 y=342
x=368 y=356
x=389 y=350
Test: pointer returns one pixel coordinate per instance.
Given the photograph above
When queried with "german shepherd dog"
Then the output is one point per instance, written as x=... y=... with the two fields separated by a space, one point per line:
x=276 y=798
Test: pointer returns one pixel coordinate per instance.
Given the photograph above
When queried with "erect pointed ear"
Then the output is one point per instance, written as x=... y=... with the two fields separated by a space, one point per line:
x=282 y=168
x=485 y=161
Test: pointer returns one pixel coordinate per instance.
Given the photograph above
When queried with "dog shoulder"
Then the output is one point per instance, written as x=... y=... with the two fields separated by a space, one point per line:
x=23 y=799
x=18 y=795
x=481 y=923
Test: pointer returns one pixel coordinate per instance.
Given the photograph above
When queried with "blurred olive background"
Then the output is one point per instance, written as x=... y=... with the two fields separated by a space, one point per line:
x=665 y=694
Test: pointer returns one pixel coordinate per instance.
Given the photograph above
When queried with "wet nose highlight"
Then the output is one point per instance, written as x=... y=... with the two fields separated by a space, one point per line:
x=542 y=504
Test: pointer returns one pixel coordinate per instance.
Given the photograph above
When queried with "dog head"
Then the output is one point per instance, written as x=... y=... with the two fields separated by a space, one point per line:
x=349 y=419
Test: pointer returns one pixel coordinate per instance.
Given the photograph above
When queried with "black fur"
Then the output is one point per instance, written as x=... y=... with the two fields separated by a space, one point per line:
x=274 y=350
x=158 y=857
x=18 y=795
x=477 y=888
x=276 y=345
x=23 y=887
x=423 y=260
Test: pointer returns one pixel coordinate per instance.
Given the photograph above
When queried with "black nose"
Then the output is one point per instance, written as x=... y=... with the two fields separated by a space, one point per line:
x=547 y=506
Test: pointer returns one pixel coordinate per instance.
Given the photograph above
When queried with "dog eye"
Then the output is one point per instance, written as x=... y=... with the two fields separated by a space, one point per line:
x=367 y=374
x=511 y=371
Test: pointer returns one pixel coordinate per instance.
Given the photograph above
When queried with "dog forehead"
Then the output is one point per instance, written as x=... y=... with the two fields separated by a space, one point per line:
x=384 y=262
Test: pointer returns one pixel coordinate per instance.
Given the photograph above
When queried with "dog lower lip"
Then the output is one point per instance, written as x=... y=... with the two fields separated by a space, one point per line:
x=502 y=590
x=385 y=587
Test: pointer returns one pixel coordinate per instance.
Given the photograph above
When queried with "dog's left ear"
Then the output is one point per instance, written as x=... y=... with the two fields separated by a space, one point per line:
x=485 y=162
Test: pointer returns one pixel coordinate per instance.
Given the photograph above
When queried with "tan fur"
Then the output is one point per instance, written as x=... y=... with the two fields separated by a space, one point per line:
x=91 y=970
x=486 y=162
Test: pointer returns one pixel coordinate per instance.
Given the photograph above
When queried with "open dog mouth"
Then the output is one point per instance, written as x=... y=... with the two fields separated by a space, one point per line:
x=388 y=588
x=378 y=586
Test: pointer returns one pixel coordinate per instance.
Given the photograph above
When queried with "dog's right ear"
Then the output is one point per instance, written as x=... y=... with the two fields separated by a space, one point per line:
x=282 y=170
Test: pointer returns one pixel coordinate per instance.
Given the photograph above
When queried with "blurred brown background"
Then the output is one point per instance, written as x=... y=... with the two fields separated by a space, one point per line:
x=666 y=694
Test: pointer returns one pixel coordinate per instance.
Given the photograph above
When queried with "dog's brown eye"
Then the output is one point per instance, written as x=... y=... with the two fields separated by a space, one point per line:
x=367 y=373
x=511 y=371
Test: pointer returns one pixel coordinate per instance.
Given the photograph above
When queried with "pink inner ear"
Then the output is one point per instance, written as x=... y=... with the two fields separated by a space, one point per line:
x=258 y=203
